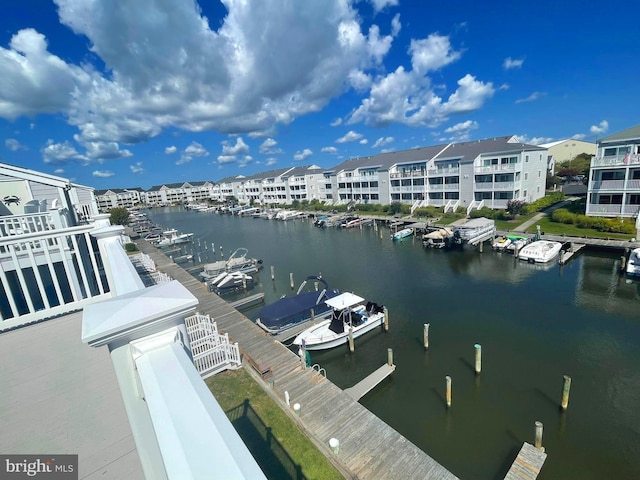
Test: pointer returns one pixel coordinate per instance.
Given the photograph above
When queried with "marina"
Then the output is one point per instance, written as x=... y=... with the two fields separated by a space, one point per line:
x=535 y=322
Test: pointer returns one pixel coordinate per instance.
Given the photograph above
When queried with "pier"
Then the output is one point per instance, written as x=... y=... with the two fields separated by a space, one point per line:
x=364 y=386
x=369 y=448
x=527 y=464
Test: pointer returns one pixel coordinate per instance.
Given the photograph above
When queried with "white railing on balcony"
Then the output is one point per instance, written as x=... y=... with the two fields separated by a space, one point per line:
x=489 y=186
x=507 y=167
x=630 y=210
x=608 y=185
x=436 y=187
x=46 y=270
x=439 y=172
x=452 y=187
x=414 y=173
x=616 y=160
x=603 y=210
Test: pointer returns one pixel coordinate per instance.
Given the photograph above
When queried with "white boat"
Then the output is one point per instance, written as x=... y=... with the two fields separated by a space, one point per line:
x=230 y=281
x=437 y=238
x=349 y=313
x=474 y=230
x=517 y=244
x=237 y=262
x=172 y=237
x=540 y=251
x=400 y=234
x=633 y=265
x=501 y=243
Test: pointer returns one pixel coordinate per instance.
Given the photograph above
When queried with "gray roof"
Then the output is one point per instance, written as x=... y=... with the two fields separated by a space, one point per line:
x=632 y=133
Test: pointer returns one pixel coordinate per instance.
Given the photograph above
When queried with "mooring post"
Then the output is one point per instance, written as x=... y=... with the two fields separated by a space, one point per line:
x=287 y=400
x=313 y=316
x=390 y=356
x=291 y=280
x=386 y=319
x=244 y=282
x=478 y=349
x=480 y=246
x=623 y=263
x=303 y=358
x=448 y=394
x=426 y=336
x=565 y=392
x=351 y=345
x=273 y=273
x=538 y=441
x=296 y=408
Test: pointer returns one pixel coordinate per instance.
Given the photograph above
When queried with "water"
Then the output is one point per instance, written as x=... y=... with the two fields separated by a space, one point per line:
x=535 y=324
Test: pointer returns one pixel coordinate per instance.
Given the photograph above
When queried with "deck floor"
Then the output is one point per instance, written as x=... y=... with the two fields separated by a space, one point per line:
x=369 y=448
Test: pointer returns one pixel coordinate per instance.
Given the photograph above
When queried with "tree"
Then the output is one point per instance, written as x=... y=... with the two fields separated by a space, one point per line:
x=395 y=208
x=119 y=216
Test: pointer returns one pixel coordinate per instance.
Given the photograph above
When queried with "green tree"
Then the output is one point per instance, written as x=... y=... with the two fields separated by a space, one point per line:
x=395 y=207
x=119 y=216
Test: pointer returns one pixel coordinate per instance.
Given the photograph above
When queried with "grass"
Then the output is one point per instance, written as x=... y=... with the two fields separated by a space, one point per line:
x=508 y=225
x=275 y=441
x=554 y=228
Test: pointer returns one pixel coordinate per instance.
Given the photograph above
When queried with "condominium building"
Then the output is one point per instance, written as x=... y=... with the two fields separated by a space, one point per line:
x=614 y=179
x=119 y=197
x=179 y=193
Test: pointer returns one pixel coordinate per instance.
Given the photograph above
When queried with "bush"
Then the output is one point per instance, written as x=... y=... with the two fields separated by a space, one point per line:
x=119 y=216
x=428 y=212
x=544 y=202
x=610 y=225
x=130 y=247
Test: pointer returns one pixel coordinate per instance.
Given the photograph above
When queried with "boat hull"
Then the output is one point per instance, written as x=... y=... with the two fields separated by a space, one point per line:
x=320 y=337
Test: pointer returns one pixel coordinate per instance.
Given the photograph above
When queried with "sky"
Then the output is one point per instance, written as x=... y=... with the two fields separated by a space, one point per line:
x=136 y=93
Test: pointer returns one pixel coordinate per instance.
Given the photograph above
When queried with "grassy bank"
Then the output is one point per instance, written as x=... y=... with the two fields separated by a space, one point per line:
x=554 y=228
x=279 y=447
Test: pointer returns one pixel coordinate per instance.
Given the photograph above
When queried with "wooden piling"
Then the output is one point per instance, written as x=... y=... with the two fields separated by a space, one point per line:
x=390 y=356
x=291 y=280
x=313 y=316
x=565 y=392
x=448 y=392
x=426 y=336
x=273 y=273
x=386 y=319
x=478 y=349
x=480 y=246
x=623 y=263
x=351 y=345
x=538 y=438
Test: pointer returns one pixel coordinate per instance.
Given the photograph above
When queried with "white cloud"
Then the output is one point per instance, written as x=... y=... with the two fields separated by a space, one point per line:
x=137 y=168
x=470 y=95
x=184 y=159
x=102 y=173
x=379 y=5
x=336 y=122
x=14 y=145
x=510 y=63
x=579 y=136
x=602 y=127
x=245 y=160
x=431 y=53
x=62 y=153
x=195 y=150
x=240 y=148
x=350 y=136
x=32 y=126
x=102 y=150
x=332 y=150
x=382 y=141
x=534 y=96
x=227 y=159
x=170 y=150
x=271 y=161
x=364 y=141
x=58 y=171
x=462 y=131
x=534 y=140
x=301 y=155
x=267 y=147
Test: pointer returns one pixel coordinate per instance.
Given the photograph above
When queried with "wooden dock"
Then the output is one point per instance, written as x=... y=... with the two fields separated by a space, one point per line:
x=364 y=386
x=567 y=255
x=249 y=301
x=369 y=448
x=528 y=463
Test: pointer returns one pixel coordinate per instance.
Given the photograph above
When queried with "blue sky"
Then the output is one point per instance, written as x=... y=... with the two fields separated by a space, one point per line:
x=147 y=92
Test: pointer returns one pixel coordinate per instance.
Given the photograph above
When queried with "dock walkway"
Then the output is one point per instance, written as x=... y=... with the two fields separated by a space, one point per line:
x=369 y=448
x=364 y=386
x=527 y=464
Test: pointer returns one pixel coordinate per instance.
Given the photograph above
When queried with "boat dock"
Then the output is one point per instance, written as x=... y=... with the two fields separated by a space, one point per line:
x=364 y=386
x=249 y=301
x=527 y=464
x=369 y=448
x=566 y=255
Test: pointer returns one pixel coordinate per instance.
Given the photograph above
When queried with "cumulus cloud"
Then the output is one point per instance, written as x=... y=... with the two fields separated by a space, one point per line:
x=336 y=122
x=364 y=141
x=102 y=173
x=382 y=141
x=431 y=53
x=268 y=147
x=244 y=160
x=226 y=159
x=137 y=168
x=379 y=5
x=14 y=145
x=240 y=148
x=579 y=136
x=534 y=140
x=62 y=153
x=271 y=161
x=170 y=150
x=602 y=127
x=350 y=136
x=331 y=150
x=510 y=63
x=196 y=150
x=531 y=98
x=102 y=150
x=462 y=131
x=58 y=171
x=301 y=155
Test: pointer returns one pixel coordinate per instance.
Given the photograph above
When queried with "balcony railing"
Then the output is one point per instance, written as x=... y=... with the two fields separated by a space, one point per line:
x=616 y=160
x=439 y=172
x=507 y=167
x=490 y=186
x=615 y=185
x=411 y=174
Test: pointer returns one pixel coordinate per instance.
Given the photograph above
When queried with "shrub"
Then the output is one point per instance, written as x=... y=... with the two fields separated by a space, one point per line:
x=130 y=247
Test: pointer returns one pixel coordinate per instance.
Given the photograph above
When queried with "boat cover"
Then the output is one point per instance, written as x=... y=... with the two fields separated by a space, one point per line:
x=295 y=308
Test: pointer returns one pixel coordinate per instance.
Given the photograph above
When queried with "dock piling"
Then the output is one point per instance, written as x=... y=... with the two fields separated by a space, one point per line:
x=386 y=319
x=334 y=443
x=351 y=345
x=313 y=316
x=390 y=357
x=426 y=336
x=538 y=440
x=566 y=386
x=287 y=400
x=448 y=392
x=291 y=280
x=478 y=366
x=273 y=274
x=480 y=244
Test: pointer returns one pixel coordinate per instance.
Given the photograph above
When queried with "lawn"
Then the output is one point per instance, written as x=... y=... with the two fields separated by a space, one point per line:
x=279 y=447
x=554 y=228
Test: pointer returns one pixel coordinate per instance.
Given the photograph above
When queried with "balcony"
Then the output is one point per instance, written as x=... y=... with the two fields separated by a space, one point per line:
x=411 y=174
x=616 y=160
x=495 y=186
x=507 y=167
x=615 y=185
x=440 y=172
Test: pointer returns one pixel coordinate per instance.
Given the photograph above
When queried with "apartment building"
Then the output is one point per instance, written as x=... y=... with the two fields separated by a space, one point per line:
x=179 y=193
x=119 y=197
x=614 y=178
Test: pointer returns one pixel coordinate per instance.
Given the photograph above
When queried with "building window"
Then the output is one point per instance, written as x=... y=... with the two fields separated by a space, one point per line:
x=526 y=176
x=452 y=195
x=373 y=184
x=526 y=159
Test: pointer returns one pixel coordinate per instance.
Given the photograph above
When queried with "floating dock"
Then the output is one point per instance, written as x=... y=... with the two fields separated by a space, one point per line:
x=247 y=302
x=567 y=255
x=527 y=464
x=367 y=384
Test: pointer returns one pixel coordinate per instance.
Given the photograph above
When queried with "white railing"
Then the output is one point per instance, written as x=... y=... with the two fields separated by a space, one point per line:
x=508 y=167
x=475 y=204
x=212 y=352
x=616 y=160
x=436 y=172
x=608 y=185
x=451 y=206
x=47 y=272
x=603 y=210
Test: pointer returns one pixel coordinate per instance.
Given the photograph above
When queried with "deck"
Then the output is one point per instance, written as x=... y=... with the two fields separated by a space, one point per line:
x=369 y=448
x=367 y=384
x=527 y=464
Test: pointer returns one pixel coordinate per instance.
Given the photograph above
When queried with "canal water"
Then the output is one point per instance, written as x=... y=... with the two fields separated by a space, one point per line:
x=535 y=324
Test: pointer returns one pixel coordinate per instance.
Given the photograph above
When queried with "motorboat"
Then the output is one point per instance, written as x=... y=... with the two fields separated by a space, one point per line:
x=633 y=265
x=172 y=237
x=400 y=234
x=517 y=244
x=501 y=243
x=230 y=282
x=540 y=251
x=437 y=238
x=350 y=314
x=294 y=310
x=237 y=262
x=474 y=231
